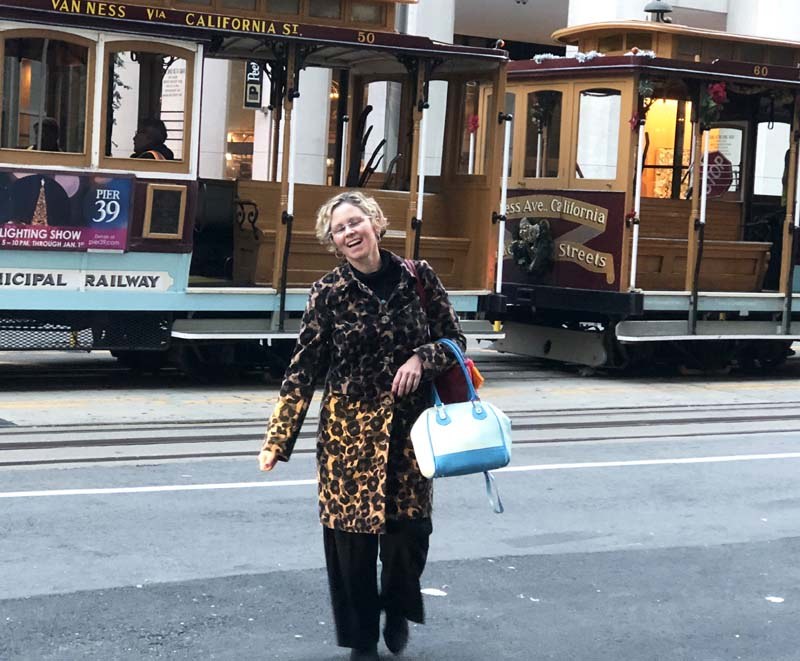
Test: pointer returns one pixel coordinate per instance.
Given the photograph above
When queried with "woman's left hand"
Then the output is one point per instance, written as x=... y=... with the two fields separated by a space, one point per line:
x=408 y=377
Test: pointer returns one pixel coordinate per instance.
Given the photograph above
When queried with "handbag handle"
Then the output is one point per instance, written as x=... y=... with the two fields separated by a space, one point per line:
x=456 y=351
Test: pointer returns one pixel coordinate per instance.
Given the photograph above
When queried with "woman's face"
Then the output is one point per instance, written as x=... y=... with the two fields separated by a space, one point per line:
x=353 y=234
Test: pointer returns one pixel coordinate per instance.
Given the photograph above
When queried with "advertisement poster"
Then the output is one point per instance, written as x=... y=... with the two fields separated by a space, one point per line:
x=75 y=212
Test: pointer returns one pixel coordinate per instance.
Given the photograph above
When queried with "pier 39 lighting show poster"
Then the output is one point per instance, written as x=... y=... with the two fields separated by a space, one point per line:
x=51 y=211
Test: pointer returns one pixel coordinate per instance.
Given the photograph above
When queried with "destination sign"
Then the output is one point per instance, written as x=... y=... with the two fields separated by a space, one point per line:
x=120 y=13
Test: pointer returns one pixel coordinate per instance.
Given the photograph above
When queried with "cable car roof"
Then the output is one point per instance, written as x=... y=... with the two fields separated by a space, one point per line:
x=571 y=35
x=570 y=67
x=235 y=36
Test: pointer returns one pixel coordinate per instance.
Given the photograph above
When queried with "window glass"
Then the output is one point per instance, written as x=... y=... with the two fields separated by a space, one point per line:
x=772 y=142
x=468 y=161
x=240 y=127
x=367 y=13
x=381 y=158
x=325 y=8
x=727 y=141
x=284 y=6
x=640 y=40
x=146 y=108
x=44 y=95
x=610 y=43
x=543 y=134
x=239 y=4
x=434 y=129
x=781 y=56
x=598 y=134
x=668 y=150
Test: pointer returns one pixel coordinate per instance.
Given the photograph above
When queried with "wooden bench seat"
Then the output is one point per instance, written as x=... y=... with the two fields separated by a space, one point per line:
x=726 y=265
x=669 y=219
x=254 y=258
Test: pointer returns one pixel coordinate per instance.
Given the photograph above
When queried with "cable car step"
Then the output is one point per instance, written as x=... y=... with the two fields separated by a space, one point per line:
x=661 y=331
x=263 y=329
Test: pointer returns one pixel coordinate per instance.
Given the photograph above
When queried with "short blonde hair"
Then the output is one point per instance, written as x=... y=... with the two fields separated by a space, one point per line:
x=367 y=205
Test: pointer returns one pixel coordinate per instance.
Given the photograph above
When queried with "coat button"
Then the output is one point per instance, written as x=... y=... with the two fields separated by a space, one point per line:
x=385 y=319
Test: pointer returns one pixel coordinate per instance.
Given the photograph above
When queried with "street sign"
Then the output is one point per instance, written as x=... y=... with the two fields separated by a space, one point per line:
x=253 y=85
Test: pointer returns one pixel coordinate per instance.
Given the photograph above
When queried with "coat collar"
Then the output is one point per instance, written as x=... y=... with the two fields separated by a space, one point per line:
x=348 y=278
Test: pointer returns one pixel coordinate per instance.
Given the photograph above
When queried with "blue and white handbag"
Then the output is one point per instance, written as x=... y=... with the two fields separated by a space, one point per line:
x=462 y=438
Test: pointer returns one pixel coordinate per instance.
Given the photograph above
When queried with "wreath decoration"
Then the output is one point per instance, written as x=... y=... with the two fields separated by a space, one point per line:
x=533 y=247
x=713 y=99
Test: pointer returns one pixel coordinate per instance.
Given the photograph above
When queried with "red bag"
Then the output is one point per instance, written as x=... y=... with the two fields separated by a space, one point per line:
x=451 y=385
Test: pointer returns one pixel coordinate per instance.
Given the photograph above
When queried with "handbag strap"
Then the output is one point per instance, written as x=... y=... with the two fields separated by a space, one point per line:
x=456 y=351
x=496 y=503
x=421 y=291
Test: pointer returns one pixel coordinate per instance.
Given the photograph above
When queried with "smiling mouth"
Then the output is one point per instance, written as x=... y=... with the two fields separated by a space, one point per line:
x=353 y=244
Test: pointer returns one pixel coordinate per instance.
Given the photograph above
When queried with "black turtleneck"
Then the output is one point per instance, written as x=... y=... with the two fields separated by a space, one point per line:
x=383 y=281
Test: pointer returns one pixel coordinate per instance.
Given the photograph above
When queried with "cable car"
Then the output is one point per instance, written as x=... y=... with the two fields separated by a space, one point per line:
x=652 y=207
x=110 y=238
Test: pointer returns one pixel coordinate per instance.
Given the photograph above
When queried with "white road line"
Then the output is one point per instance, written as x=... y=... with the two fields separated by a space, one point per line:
x=158 y=489
x=650 y=462
x=304 y=483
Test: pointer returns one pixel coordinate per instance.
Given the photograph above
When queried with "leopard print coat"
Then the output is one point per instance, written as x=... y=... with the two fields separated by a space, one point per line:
x=366 y=467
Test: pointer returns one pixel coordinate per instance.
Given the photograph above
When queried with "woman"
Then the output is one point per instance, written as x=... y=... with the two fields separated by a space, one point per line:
x=364 y=331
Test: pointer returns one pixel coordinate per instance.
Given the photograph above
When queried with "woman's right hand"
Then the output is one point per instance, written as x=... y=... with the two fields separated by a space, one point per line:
x=267 y=459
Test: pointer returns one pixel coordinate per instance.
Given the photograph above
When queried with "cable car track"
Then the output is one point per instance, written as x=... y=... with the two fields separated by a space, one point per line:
x=214 y=438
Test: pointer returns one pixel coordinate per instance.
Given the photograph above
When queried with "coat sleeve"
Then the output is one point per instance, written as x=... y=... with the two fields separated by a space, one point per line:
x=442 y=322
x=309 y=359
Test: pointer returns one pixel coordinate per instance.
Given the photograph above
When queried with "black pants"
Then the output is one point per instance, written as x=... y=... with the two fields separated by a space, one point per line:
x=351 y=559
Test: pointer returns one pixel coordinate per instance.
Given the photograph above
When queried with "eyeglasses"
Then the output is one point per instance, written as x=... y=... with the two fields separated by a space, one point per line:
x=351 y=223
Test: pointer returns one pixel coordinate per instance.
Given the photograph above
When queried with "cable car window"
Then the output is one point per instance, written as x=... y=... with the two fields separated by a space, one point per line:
x=598 y=134
x=640 y=40
x=325 y=8
x=375 y=157
x=284 y=6
x=434 y=131
x=543 y=134
x=146 y=108
x=668 y=150
x=44 y=95
x=239 y=4
x=770 y=170
x=610 y=43
x=781 y=56
x=728 y=142
x=471 y=143
x=362 y=12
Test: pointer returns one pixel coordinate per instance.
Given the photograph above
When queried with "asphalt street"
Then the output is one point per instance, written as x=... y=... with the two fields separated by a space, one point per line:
x=664 y=528
x=631 y=561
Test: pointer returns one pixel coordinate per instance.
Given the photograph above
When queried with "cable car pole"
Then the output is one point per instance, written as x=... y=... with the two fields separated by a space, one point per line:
x=697 y=218
x=287 y=180
x=791 y=226
x=637 y=202
x=500 y=218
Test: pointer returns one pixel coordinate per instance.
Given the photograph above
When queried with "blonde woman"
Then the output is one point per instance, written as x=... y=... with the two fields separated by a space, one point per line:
x=366 y=334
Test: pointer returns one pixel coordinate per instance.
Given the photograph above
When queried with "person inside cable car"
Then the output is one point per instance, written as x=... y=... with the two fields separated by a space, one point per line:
x=50 y=131
x=149 y=141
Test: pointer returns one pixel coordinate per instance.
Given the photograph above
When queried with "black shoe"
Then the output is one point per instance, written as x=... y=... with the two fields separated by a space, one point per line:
x=366 y=654
x=395 y=633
